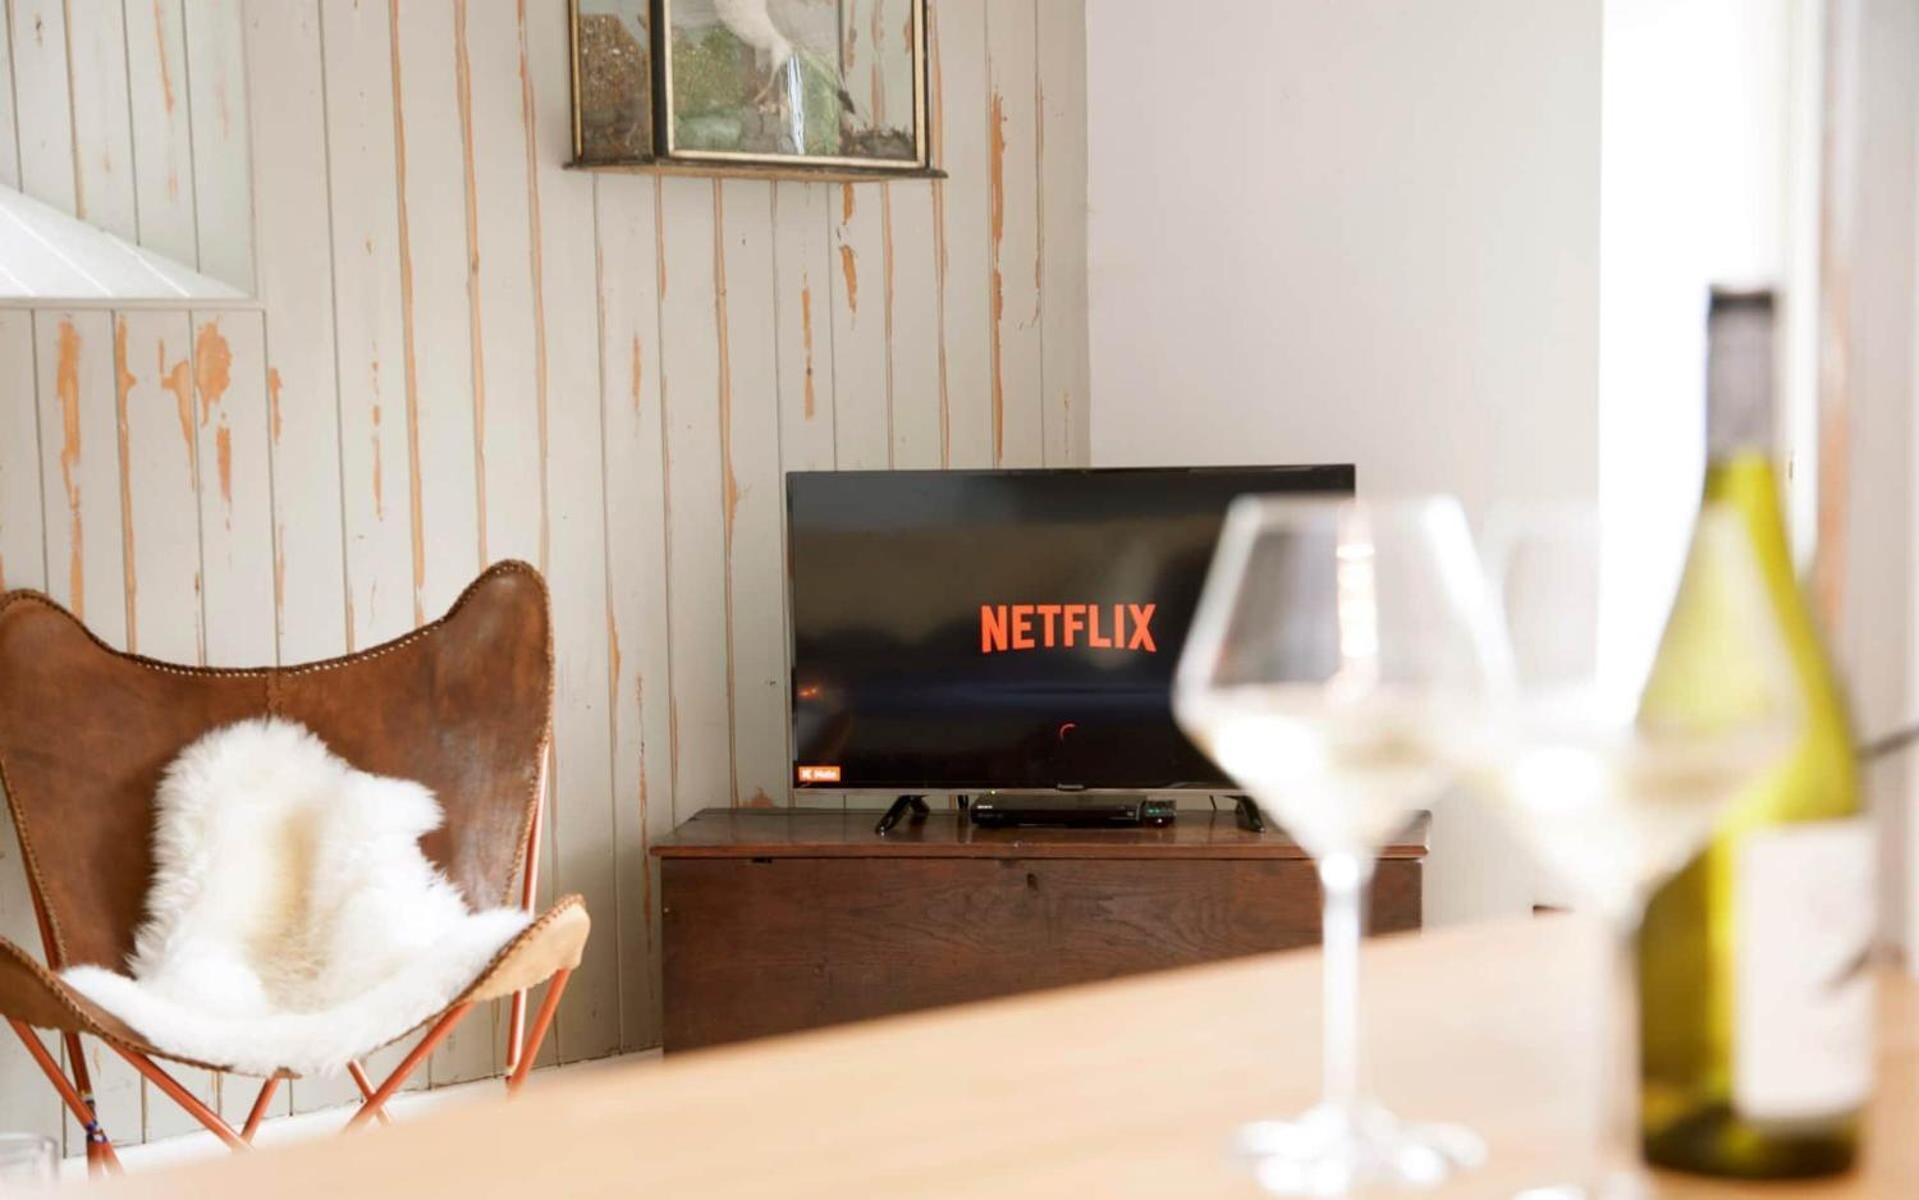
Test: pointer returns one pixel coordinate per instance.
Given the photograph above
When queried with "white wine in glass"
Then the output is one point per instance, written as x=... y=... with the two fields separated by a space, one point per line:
x=1337 y=669
x=1613 y=798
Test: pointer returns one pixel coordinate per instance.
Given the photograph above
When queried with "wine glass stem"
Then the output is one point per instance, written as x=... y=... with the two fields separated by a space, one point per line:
x=1343 y=879
x=1619 y=1146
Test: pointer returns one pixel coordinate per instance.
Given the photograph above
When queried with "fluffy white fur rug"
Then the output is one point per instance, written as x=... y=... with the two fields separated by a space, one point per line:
x=292 y=920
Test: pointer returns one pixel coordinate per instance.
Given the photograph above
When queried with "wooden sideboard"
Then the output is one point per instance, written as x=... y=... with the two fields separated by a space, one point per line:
x=788 y=919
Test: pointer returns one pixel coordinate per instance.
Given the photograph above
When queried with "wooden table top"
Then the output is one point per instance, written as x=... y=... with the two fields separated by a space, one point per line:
x=1113 y=1090
x=831 y=833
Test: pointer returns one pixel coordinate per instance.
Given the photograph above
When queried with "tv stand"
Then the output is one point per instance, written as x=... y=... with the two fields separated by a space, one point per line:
x=778 y=920
x=900 y=807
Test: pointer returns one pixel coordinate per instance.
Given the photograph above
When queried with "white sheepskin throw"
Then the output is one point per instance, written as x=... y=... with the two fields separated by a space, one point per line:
x=292 y=920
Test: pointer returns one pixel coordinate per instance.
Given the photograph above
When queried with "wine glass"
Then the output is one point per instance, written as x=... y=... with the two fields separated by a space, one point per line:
x=1616 y=795
x=1338 y=668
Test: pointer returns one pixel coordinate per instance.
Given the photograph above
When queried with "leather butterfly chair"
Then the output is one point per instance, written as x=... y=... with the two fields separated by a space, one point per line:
x=462 y=705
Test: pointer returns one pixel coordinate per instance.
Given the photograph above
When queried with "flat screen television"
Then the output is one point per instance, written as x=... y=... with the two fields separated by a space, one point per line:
x=983 y=631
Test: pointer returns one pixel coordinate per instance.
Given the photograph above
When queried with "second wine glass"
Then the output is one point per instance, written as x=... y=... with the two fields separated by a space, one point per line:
x=1612 y=796
x=1337 y=669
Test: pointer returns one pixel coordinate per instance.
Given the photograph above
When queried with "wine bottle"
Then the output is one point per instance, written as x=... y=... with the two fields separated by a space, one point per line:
x=1755 y=987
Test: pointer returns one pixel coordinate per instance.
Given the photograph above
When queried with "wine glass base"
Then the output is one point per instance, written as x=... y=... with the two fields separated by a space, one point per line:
x=1331 y=1150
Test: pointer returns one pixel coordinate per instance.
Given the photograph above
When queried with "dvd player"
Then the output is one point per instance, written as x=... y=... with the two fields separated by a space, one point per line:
x=999 y=812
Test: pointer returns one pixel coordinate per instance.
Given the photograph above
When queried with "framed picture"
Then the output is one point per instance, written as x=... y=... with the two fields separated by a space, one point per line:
x=837 y=85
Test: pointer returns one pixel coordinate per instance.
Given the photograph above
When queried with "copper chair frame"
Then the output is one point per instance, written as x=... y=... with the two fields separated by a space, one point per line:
x=76 y=1089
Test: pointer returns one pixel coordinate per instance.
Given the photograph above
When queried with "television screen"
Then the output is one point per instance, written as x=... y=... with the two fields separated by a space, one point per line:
x=972 y=631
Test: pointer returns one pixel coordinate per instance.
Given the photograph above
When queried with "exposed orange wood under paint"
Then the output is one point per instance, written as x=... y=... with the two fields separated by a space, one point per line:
x=633 y=387
x=528 y=123
x=223 y=456
x=166 y=71
x=177 y=382
x=379 y=488
x=213 y=370
x=463 y=75
x=66 y=386
x=409 y=373
x=273 y=402
x=123 y=383
x=212 y=374
x=806 y=340
x=936 y=129
x=850 y=269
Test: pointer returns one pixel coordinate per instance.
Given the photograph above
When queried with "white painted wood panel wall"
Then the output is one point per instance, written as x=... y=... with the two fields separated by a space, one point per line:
x=461 y=352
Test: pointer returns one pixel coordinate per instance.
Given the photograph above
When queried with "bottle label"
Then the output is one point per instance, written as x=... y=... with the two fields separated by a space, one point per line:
x=1803 y=991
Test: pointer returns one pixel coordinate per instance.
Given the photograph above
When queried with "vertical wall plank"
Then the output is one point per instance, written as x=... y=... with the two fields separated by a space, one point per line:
x=9 y=131
x=1013 y=180
x=216 y=94
x=160 y=505
x=439 y=371
x=42 y=103
x=82 y=499
x=862 y=429
x=296 y=286
x=633 y=458
x=505 y=390
x=162 y=134
x=962 y=223
x=804 y=263
x=435 y=268
x=582 y=806
x=22 y=554
x=102 y=121
x=80 y=467
x=803 y=323
x=1062 y=165
x=913 y=323
x=696 y=562
x=381 y=504
x=375 y=438
x=160 y=490
x=752 y=499
x=29 y=1103
x=230 y=424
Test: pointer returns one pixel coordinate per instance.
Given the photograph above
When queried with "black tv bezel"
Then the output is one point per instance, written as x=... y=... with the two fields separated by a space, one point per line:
x=1335 y=476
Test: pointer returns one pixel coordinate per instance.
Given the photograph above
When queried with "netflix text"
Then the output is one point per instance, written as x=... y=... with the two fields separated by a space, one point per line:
x=1005 y=627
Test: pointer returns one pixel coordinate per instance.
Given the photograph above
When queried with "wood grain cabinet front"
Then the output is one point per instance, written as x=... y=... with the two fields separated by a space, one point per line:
x=781 y=921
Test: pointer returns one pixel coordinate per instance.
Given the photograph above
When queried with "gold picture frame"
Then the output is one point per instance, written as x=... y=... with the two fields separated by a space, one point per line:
x=779 y=87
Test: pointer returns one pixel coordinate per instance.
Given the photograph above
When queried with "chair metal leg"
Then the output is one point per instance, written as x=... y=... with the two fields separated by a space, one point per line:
x=258 y=1112
x=554 y=988
x=434 y=1036
x=100 y=1155
x=365 y=1085
x=214 y=1122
